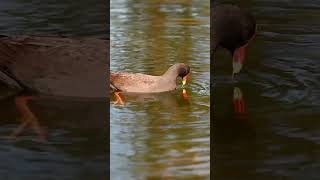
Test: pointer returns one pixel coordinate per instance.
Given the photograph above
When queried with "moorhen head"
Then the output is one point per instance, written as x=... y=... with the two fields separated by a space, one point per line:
x=232 y=28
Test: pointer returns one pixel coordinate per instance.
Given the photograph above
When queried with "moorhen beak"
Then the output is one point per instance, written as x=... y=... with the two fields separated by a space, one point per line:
x=184 y=79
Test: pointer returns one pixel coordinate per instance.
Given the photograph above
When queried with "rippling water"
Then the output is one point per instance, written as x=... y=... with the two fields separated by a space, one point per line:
x=277 y=134
x=67 y=139
x=161 y=135
x=54 y=17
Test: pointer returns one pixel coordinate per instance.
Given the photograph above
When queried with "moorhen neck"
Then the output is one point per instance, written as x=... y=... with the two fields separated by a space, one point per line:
x=232 y=28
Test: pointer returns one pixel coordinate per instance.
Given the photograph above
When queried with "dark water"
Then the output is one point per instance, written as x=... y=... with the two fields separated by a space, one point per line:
x=55 y=17
x=162 y=135
x=277 y=135
x=67 y=139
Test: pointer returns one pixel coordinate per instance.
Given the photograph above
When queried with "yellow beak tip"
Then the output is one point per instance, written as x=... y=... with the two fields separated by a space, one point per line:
x=184 y=80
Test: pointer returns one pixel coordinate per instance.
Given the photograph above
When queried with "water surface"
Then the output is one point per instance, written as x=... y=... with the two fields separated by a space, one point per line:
x=277 y=134
x=161 y=135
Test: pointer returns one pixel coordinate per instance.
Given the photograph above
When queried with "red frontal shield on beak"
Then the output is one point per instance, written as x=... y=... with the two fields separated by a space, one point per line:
x=240 y=54
x=238 y=58
x=184 y=79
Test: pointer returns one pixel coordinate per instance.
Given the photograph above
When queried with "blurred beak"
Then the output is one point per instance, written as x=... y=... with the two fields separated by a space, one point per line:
x=240 y=54
x=238 y=59
x=184 y=79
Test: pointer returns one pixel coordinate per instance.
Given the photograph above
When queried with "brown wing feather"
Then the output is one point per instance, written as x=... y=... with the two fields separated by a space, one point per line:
x=122 y=80
x=54 y=65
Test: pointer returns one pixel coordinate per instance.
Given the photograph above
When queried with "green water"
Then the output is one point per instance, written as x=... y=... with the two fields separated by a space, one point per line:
x=161 y=135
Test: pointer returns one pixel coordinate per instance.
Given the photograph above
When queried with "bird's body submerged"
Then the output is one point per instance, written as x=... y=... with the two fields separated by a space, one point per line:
x=143 y=83
x=55 y=66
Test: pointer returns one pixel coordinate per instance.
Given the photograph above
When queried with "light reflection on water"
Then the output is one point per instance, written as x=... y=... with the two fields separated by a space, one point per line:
x=165 y=134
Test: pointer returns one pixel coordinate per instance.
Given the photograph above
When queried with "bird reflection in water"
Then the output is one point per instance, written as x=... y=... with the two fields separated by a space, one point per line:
x=165 y=96
x=27 y=118
x=184 y=94
x=239 y=104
